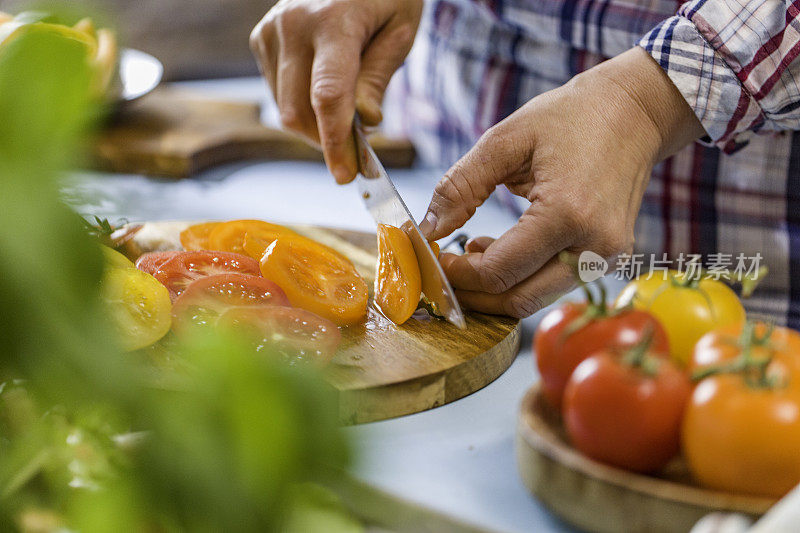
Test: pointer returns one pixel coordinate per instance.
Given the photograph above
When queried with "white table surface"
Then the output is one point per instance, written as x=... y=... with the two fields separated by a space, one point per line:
x=457 y=459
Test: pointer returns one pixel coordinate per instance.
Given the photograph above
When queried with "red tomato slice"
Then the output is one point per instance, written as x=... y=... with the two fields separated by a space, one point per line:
x=150 y=261
x=205 y=299
x=296 y=335
x=177 y=273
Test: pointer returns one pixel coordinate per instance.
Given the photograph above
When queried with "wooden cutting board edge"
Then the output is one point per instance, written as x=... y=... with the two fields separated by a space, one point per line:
x=361 y=403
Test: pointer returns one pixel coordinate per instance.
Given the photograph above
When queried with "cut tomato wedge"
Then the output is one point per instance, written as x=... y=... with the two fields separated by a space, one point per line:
x=295 y=335
x=138 y=306
x=229 y=236
x=114 y=258
x=150 y=261
x=205 y=299
x=316 y=278
x=398 y=283
x=195 y=237
x=185 y=267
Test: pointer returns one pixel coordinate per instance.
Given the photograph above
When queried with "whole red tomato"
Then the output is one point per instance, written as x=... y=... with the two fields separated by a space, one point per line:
x=574 y=331
x=626 y=410
x=741 y=430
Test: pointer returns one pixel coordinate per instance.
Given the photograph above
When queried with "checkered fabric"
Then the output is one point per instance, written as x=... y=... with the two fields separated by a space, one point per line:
x=475 y=62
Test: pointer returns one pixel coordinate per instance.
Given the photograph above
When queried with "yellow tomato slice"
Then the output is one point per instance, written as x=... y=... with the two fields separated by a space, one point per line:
x=115 y=259
x=195 y=237
x=229 y=236
x=397 y=281
x=139 y=307
x=316 y=278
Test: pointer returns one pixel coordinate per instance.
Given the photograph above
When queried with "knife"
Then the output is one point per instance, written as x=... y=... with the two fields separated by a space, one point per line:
x=387 y=207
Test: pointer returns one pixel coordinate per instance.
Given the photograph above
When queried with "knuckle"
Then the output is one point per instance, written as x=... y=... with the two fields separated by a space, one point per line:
x=520 y=305
x=493 y=278
x=326 y=94
x=291 y=118
x=613 y=240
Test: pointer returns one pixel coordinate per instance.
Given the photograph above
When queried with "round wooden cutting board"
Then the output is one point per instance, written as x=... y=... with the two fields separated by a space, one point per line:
x=382 y=370
x=596 y=497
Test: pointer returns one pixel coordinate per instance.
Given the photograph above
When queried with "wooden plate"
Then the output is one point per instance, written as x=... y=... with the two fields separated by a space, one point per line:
x=382 y=370
x=597 y=497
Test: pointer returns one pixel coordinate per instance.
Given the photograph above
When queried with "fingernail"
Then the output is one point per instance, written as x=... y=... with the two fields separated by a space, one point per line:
x=341 y=173
x=428 y=224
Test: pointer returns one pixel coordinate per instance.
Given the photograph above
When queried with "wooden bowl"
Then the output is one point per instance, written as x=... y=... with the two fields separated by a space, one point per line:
x=598 y=497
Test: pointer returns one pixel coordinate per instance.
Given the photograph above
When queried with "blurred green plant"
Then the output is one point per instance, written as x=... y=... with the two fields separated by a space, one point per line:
x=89 y=440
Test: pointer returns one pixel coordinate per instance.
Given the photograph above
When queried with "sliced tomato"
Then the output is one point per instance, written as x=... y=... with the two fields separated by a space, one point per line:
x=205 y=299
x=150 y=261
x=195 y=237
x=115 y=259
x=397 y=281
x=185 y=267
x=229 y=236
x=316 y=278
x=295 y=335
x=138 y=306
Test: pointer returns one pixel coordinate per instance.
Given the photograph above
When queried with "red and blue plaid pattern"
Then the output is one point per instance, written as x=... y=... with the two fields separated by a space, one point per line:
x=735 y=62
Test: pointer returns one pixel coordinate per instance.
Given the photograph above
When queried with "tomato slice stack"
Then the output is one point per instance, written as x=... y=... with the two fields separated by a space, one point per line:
x=182 y=269
x=294 y=310
x=205 y=299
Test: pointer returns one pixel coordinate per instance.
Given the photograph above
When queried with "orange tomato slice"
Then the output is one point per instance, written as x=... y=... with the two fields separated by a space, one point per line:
x=398 y=283
x=229 y=236
x=316 y=278
x=195 y=237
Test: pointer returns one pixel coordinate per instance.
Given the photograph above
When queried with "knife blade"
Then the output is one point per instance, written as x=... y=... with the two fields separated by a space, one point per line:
x=387 y=207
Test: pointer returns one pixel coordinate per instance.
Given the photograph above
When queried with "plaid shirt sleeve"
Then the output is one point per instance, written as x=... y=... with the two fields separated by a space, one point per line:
x=736 y=64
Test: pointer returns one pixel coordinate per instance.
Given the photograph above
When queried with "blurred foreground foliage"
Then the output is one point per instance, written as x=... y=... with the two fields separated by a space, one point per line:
x=89 y=440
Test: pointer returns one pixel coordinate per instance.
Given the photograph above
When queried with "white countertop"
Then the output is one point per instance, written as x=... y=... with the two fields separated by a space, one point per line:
x=457 y=459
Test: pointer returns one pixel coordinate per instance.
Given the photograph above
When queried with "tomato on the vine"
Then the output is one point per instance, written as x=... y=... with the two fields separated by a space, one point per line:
x=625 y=408
x=688 y=308
x=574 y=331
x=741 y=429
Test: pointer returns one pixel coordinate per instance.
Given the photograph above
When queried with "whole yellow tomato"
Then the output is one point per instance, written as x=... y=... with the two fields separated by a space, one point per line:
x=687 y=308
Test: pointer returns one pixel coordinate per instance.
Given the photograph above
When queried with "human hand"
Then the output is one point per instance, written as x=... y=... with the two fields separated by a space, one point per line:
x=323 y=59
x=582 y=154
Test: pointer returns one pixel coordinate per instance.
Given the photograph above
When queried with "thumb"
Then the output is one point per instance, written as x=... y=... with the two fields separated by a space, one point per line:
x=379 y=61
x=499 y=155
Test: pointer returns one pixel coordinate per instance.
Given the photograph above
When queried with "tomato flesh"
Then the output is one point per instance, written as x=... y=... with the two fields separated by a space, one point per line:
x=229 y=236
x=195 y=237
x=138 y=306
x=295 y=335
x=205 y=299
x=185 y=267
x=316 y=278
x=150 y=261
x=397 y=281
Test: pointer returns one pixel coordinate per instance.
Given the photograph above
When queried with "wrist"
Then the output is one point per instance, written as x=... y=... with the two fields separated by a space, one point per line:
x=652 y=94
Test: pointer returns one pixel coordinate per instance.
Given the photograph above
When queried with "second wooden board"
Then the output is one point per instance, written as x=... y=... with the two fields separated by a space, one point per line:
x=382 y=370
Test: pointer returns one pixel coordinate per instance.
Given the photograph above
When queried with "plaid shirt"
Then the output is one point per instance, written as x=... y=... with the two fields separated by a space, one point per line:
x=475 y=62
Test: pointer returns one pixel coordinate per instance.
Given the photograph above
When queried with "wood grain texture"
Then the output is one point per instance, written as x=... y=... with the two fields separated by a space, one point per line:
x=382 y=370
x=597 y=497
x=174 y=133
